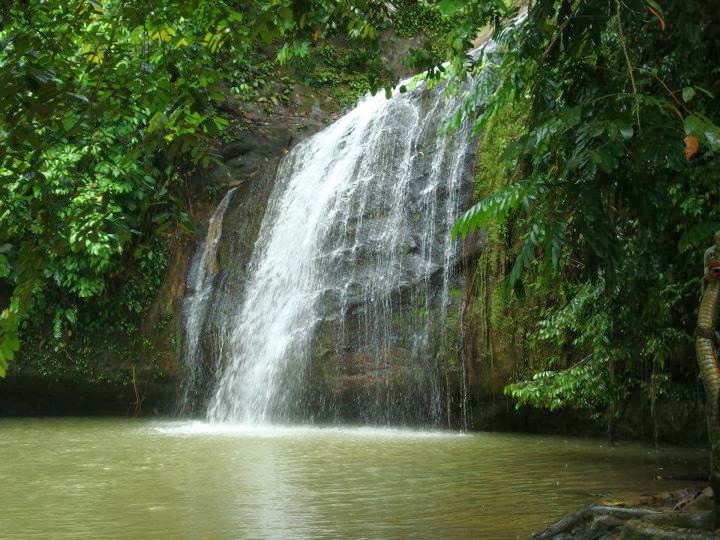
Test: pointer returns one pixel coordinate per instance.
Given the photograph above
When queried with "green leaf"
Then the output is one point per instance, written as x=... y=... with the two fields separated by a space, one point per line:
x=68 y=123
x=57 y=324
x=712 y=136
x=4 y=267
x=79 y=97
x=71 y=316
x=571 y=116
x=704 y=129
x=448 y=7
x=693 y=124
x=708 y=93
x=493 y=209
x=158 y=121
x=688 y=93
x=627 y=132
x=655 y=6
x=697 y=236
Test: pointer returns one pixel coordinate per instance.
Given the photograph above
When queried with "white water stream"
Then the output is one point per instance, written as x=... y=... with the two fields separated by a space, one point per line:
x=359 y=211
x=350 y=283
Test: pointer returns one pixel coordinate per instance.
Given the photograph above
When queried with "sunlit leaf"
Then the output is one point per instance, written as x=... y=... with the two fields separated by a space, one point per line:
x=448 y=7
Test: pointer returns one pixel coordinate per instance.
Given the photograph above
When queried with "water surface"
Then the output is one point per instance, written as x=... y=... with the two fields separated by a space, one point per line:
x=100 y=478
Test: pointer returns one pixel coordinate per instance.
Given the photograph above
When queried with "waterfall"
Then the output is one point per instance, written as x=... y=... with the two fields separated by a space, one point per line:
x=199 y=288
x=345 y=309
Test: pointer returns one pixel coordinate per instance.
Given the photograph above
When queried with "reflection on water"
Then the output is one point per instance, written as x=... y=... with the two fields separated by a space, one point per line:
x=135 y=479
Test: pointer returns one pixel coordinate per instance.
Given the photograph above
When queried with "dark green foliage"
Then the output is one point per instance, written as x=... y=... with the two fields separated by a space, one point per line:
x=599 y=156
x=610 y=200
x=102 y=337
x=340 y=70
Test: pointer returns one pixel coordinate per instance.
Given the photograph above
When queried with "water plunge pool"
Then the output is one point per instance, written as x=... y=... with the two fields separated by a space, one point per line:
x=115 y=478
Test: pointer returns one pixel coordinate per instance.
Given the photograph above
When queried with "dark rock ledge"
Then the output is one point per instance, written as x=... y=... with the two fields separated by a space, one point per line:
x=679 y=515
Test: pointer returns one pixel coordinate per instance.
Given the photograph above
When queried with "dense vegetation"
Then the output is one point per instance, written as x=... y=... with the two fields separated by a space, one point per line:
x=611 y=192
x=604 y=197
x=106 y=110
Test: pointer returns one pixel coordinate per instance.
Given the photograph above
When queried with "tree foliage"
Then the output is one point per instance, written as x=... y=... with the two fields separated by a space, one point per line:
x=105 y=109
x=614 y=181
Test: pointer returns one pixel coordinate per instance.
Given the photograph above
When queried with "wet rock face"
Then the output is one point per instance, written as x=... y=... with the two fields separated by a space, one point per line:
x=387 y=350
x=253 y=155
x=388 y=359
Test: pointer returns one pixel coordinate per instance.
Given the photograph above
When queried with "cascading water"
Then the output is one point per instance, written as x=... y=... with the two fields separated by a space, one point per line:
x=346 y=303
x=199 y=289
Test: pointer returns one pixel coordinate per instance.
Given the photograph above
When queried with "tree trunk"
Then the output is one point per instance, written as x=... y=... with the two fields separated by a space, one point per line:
x=706 y=350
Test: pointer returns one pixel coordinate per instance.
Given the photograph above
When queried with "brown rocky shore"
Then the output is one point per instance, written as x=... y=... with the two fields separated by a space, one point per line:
x=684 y=514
